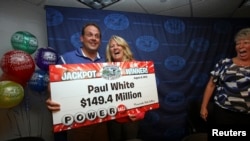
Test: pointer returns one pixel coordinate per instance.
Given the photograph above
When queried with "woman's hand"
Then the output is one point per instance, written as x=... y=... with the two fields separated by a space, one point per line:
x=52 y=106
x=204 y=113
x=137 y=116
x=131 y=117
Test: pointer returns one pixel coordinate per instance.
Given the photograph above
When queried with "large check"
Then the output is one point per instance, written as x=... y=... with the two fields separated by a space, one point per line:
x=97 y=92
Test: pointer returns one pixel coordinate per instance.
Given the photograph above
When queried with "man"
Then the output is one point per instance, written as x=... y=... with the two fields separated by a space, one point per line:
x=88 y=53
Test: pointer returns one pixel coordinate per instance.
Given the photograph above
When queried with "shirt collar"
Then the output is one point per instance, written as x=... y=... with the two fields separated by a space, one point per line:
x=81 y=53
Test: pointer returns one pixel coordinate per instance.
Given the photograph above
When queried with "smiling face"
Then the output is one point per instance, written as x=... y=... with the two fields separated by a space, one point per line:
x=91 y=39
x=116 y=51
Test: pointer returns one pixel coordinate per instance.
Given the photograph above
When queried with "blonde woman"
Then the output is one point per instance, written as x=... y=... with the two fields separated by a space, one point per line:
x=126 y=128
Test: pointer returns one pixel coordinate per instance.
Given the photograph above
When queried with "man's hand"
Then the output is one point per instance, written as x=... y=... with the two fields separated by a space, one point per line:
x=52 y=106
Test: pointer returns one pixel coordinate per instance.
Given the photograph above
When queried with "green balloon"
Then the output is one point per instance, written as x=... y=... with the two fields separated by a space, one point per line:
x=25 y=41
x=11 y=94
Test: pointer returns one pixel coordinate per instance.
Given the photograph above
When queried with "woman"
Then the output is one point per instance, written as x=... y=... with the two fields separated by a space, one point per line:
x=231 y=81
x=123 y=128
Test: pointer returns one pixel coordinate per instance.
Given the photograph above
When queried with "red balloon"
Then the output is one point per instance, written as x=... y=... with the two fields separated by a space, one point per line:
x=18 y=64
x=6 y=77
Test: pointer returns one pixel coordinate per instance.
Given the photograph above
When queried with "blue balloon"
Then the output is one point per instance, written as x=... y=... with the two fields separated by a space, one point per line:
x=39 y=81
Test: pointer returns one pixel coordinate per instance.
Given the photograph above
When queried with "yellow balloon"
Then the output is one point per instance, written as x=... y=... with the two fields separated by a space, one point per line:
x=11 y=94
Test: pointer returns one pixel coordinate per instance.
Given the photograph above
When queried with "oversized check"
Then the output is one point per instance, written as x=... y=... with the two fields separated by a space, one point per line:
x=98 y=92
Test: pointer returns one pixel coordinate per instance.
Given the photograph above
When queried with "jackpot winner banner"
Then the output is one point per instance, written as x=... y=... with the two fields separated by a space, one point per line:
x=97 y=92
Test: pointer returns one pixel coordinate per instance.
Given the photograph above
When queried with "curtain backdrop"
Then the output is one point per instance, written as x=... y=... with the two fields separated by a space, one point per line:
x=184 y=51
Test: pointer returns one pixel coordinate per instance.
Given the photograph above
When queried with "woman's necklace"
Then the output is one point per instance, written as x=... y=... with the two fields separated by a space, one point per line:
x=244 y=64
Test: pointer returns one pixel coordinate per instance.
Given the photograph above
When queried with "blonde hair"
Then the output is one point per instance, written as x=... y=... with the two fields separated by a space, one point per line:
x=128 y=56
x=242 y=34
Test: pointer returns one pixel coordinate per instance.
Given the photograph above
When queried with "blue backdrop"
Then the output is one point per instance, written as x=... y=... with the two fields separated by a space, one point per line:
x=184 y=50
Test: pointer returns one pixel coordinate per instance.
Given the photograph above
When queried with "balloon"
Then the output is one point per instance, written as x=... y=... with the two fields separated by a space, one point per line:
x=39 y=81
x=17 y=63
x=11 y=94
x=45 y=57
x=25 y=41
x=5 y=77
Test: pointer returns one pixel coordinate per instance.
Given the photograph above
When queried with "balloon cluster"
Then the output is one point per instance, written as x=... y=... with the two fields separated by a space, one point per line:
x=19 y=68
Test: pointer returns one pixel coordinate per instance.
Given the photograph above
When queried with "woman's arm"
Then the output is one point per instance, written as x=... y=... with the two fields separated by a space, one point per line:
x=206 y=98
